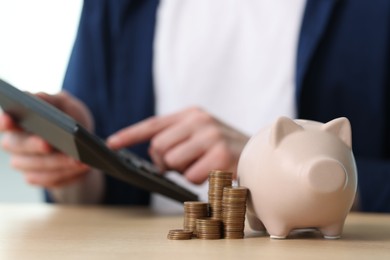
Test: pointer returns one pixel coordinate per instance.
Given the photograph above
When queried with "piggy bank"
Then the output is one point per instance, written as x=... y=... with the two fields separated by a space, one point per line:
x=300 y=174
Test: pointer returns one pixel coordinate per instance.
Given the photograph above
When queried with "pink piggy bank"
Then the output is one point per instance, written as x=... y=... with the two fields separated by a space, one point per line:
x=300 y=174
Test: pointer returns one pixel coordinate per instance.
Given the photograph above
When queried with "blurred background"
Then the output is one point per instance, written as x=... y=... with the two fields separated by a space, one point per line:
x=35 y=43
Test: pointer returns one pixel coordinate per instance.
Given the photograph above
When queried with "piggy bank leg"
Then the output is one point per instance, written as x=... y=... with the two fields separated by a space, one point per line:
x=254 y=222
x=277 y=229
x=332 y=231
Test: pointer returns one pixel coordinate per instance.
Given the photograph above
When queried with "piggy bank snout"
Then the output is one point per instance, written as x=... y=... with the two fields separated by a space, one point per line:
x=326 y=175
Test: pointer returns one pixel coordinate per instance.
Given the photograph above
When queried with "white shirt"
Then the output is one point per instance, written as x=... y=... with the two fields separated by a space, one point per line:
x=233 y=58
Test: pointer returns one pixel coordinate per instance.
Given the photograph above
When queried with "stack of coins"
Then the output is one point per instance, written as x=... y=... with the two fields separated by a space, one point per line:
x=208 y=228
x=233 y=211
x=179 y=234
x=217 y=181
x=192 y=211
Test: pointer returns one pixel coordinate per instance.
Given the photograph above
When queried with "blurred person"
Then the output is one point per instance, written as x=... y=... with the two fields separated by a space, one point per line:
x=188 y=82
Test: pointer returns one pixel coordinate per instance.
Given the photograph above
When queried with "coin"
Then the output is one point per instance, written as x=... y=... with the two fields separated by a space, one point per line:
x=179 y=234
x=208 y=228
x=233 y=211
x=192 y=211
x=217 y=181
x=223 y=216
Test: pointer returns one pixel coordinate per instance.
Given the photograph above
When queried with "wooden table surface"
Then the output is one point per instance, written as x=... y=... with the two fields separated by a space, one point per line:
x=40 y=231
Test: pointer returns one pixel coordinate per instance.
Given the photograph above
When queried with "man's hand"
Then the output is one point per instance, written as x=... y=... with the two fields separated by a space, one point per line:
x=40 y=163
x=191 y=142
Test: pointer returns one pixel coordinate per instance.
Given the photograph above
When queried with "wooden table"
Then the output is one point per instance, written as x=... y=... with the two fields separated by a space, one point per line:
x=41 y=231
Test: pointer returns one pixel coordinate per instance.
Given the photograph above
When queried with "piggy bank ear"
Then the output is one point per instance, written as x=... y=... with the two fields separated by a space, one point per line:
x=282 y=128
x=341 y=128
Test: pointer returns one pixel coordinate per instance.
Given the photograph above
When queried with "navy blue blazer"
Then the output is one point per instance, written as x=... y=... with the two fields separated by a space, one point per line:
x=342 y=70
